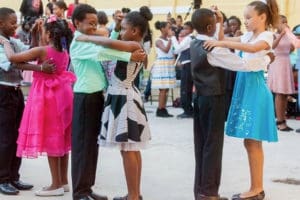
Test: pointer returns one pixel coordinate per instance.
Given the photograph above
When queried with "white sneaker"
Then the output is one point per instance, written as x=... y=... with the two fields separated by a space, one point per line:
x=66 y=188
x=45 y=193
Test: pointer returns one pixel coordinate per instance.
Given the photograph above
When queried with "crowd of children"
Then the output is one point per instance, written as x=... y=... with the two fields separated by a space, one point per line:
x=99 y=103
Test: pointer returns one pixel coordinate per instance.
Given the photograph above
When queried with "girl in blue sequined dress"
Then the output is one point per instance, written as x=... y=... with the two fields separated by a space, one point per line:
x=251 y=114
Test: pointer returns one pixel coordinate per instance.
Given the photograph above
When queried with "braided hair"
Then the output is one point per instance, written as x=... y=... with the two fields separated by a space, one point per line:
x=60 y=33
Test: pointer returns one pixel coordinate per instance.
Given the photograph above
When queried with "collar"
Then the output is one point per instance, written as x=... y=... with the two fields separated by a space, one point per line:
x=204 y=37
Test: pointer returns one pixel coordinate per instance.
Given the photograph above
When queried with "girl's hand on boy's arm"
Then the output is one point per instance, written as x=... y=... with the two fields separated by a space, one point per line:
x=138 y=55
x=210 y=44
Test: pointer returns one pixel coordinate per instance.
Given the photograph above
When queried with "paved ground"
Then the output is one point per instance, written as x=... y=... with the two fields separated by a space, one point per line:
x=168 y=165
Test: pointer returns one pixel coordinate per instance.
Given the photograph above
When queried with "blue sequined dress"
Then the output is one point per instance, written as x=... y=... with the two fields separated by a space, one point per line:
x=251 y=113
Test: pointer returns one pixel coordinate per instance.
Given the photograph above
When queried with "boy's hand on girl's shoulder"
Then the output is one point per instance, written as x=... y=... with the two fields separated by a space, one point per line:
x=48 y=67
x=138 y=55
x=271 y=56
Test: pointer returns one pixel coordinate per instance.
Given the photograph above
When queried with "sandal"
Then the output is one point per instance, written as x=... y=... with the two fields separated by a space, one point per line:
x=286 y=128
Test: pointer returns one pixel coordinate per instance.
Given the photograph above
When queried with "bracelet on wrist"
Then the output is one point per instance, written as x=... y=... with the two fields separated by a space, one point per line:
x=41 y=67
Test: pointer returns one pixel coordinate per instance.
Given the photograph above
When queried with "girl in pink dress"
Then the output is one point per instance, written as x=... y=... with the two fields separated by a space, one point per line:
x=46 y=123
x=280 y=75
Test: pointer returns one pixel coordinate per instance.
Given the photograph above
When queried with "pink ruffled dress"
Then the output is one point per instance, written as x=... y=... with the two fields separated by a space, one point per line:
x=46 y=123
x=280 y=74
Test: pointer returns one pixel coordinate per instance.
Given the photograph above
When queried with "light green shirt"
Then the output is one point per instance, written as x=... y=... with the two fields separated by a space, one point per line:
x=86 y=57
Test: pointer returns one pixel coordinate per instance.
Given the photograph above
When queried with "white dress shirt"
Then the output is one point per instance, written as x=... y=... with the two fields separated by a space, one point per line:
x=222 y=57
x=182 y=46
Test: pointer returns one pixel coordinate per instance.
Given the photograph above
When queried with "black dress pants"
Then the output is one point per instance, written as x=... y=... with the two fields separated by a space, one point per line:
x=11 y=110
x=86 y=127
x=209 y=117
x=186 y=88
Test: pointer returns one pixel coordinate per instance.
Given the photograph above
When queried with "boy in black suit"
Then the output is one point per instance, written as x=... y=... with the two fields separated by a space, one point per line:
x=209 y=105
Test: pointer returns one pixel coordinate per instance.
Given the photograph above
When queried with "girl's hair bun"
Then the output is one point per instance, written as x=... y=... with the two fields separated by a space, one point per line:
x=157 y=25
x=146 y=13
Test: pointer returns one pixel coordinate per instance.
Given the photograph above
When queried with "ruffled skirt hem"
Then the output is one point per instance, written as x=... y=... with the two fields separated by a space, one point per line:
x=125 y=146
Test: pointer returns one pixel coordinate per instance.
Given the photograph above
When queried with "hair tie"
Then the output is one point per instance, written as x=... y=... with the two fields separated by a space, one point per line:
x=63 y=42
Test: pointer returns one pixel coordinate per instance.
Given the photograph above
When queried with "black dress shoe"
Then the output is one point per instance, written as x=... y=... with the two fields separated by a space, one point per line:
x=21 y=185
x=162 y=112
x=97 y=196
x=259 y=196
x=7 y=188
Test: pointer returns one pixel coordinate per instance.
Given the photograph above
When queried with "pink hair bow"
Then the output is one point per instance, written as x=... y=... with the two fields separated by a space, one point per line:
x=52 y=18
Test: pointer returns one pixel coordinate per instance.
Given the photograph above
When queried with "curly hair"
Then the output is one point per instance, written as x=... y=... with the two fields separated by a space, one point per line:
x=80 y=12
x=60 y=34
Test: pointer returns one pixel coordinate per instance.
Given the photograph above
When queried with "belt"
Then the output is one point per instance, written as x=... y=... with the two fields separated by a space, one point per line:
x=11 y=88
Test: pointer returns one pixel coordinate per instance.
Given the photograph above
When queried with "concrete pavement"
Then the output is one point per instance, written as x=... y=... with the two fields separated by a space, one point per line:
x=168 y=165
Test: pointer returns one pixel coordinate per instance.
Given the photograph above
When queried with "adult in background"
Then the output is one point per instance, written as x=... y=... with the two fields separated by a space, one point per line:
x=71 y=8
x=31 y=8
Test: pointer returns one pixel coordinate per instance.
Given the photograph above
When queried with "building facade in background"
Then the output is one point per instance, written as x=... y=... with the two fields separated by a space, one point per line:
x=161 y=8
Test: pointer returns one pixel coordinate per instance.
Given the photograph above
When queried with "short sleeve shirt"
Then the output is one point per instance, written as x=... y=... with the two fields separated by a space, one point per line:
x=266 y=36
